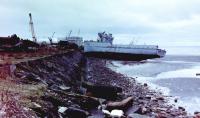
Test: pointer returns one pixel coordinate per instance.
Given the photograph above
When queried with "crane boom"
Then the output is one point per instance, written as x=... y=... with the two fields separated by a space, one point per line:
x=51 y=38
x=53 y=34
x=32 y=28
x=70 y=32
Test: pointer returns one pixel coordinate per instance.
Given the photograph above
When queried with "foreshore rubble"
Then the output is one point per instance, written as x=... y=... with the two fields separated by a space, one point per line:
x=145 y=101
x=69 y=85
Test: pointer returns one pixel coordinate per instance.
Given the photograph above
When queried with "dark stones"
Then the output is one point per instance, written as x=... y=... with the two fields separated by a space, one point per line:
x=181 y=108
x=102 y=91
x=134 y=115
x=89 y=103
x=30 y=78
x=141 y=110
x=145 y=84
x=196 y=114
x=72 y=112
x=40 y=112
x=54 y=100
x=160 y=98
x=62 y=73
x=175 y=100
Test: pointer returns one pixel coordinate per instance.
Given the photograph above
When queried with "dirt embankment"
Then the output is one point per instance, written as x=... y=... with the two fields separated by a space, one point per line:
x=42 y=87
x=51 y=87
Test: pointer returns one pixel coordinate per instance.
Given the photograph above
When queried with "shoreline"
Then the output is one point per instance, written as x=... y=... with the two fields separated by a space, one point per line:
x=175 y=77
x=57 y=86
x=153 y=103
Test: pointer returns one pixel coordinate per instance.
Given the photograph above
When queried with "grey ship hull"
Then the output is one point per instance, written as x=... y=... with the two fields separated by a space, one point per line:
x=122 y=52
x=121 y=56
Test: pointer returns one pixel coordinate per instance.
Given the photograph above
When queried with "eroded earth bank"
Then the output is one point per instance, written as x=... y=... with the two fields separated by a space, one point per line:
x=70 y=85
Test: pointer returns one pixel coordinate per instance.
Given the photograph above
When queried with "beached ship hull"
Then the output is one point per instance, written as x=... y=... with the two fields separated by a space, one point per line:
x=104 y=48
x=122 y=52
x=120 y=56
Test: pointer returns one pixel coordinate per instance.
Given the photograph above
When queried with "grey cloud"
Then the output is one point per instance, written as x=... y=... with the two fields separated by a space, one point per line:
x=149 y=19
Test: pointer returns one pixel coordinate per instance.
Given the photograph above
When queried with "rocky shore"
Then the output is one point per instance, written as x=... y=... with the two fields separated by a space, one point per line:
x=145 y=101
x=70 y=85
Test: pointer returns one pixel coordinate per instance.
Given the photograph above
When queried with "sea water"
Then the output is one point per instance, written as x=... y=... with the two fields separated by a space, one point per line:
x=176 y=75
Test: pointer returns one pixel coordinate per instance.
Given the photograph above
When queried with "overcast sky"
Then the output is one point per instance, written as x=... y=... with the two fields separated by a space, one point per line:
x=149 y=21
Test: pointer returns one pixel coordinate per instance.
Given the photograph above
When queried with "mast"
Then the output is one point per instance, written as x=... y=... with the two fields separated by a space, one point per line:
x=70 y=32
x=32 y=28
x=51 y=38
x=78 y=32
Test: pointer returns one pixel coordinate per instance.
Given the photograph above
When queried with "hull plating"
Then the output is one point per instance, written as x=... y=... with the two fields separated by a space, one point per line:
x=122 y=52
x=120 y=56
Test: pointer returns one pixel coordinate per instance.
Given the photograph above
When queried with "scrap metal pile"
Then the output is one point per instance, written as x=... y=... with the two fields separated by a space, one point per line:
x=14 y=43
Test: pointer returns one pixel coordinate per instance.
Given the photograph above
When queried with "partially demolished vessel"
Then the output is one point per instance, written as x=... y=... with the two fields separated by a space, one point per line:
x=104 y=48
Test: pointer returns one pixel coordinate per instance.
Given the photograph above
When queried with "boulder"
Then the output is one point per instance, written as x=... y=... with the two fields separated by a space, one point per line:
x=124 y=104
x=72 y=112
x=196 y=115
x=62 y=109
x=116 y=113
x=102 y=91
